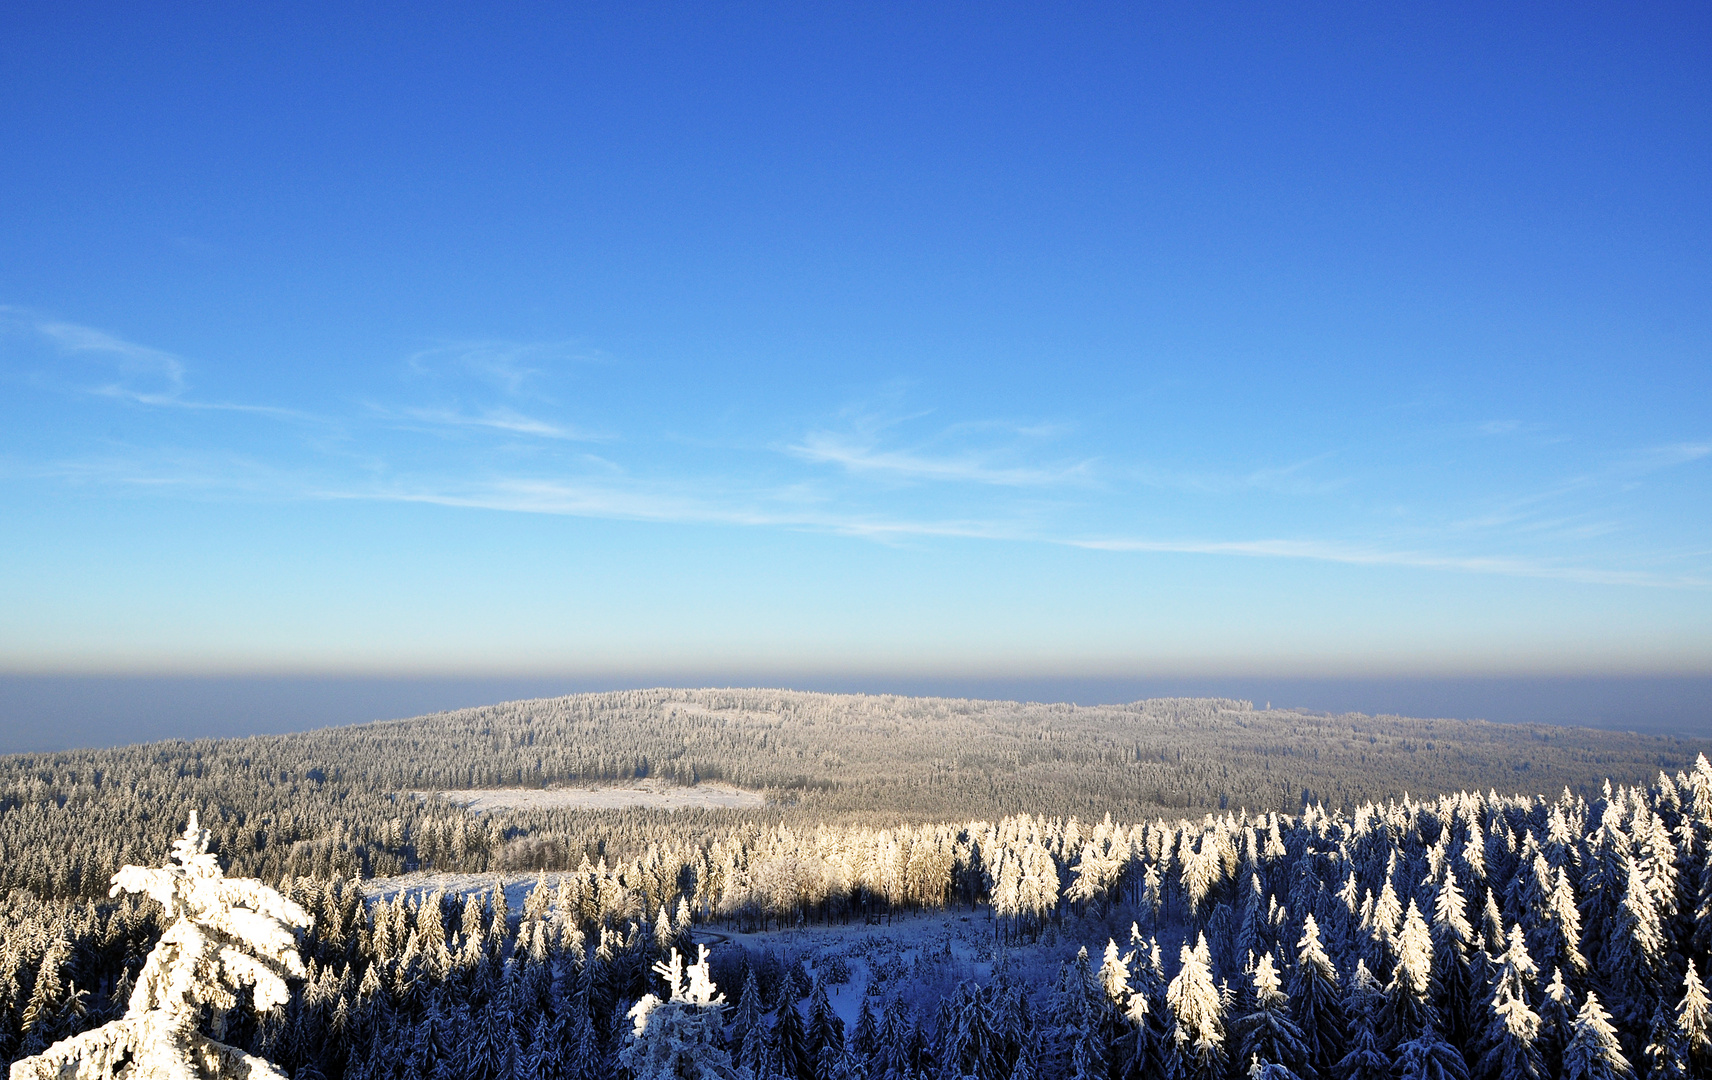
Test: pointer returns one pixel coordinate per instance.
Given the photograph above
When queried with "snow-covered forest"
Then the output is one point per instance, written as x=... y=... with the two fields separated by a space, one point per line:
x=340 y=801
x=1478 y=935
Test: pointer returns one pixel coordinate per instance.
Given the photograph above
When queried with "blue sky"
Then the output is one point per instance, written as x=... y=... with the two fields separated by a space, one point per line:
x=958 y=338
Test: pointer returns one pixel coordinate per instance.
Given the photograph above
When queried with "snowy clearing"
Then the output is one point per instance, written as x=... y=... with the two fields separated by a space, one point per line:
x=655 y=794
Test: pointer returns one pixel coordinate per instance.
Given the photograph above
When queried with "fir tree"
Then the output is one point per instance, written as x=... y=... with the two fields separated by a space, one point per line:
x=790 y=1049
x=1267 y=1035
x=1317 y=1003
x=227 y=935
x=1365 y=1059
x=1198 y=1012
x=1593 y=1052
x=1694 y=1020
x=680 y=1037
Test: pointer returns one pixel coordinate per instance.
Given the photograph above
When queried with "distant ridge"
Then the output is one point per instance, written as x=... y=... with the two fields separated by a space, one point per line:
x=333 y=800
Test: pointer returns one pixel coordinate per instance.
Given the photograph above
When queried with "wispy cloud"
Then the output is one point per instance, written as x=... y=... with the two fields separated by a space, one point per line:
x=127 y=357
x=1545 y=510
x=827 y=448
x=1295 y=478
x=981 y=479
x=496 y=419
x=517 y=368
x=643 y=501
x=136 y=373
x=868 y=440
x=1319 y=551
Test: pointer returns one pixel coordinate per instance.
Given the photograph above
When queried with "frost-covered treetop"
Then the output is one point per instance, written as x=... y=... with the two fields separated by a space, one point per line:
x=1268 y=987
x=229 y=933
x=682 y=1036
x=226 y=934
x=692 y=985
x=1312 y=953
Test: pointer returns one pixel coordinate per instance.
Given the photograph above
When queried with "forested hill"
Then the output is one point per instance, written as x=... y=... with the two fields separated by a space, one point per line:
x=340 y=800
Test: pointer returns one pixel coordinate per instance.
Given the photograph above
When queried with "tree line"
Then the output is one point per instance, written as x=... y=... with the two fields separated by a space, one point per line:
x=1465 y=935
x=363 y=800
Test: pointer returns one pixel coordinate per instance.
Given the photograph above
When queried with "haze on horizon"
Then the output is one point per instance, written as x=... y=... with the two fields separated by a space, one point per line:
x=948 y=343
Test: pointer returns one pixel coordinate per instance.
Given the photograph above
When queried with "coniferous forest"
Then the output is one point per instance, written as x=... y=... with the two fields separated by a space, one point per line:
x=935 y=889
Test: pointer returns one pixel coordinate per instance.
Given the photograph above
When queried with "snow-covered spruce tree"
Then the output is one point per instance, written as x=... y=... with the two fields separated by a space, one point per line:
x=1365 y=1060
x=1557 y=1022
x=1512 y=1035
x=226 y=934
x=55 y=1004
x=1694 y=1020
x=1453 y=976
x=1635 y=951
x=1198 y=1011
x=680 y=1038
x=825 y=1026
x=1666 y=1051
x=789 y=1043
x=1408 y=1008
x=1318 y=1007
x=1429 y=1057
x=969 y=1044
x=1593 y=1052
x=1267 y=1035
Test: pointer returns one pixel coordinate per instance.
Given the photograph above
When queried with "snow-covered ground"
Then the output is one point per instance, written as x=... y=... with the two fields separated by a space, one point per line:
x=654 y=794
x=921 y=956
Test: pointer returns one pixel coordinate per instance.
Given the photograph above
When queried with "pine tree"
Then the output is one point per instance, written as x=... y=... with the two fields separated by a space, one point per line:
x=1317 y=1003
x=1593 y=1052
x=1198 y=1011
x=1408 y=1010
x=681 y=1036
x=1267 y=1035
x=1365 y=1060
x=1694 y=1020
x=790 y=1050
x=227 y=934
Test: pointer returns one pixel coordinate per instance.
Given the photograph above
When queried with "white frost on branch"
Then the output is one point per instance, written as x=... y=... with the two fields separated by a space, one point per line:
x=679 y=1037
x=226 y=934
